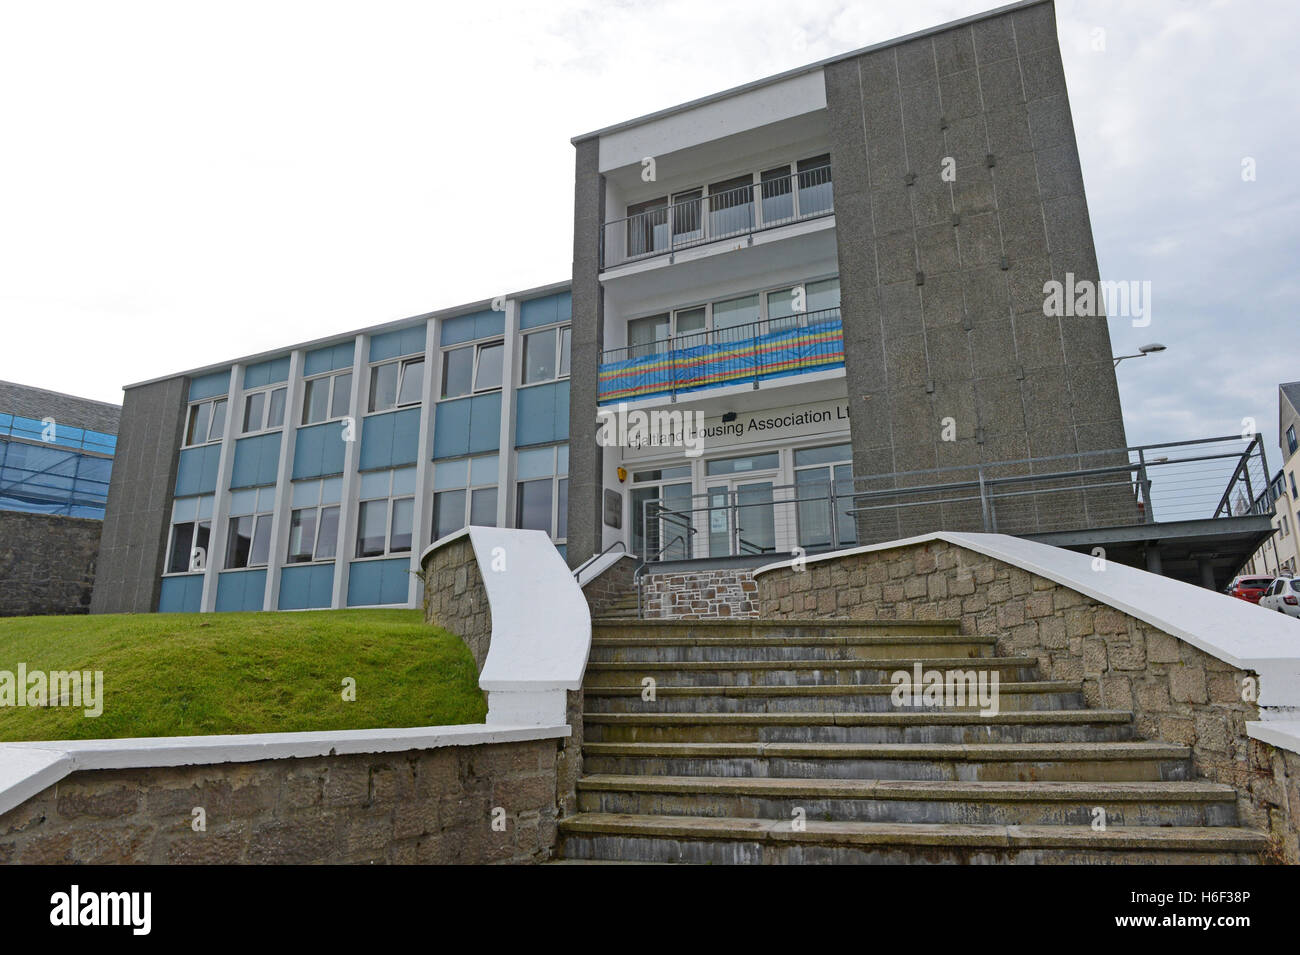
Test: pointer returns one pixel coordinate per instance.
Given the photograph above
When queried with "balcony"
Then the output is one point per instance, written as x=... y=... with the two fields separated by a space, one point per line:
x=772 y=348
x=694 y=218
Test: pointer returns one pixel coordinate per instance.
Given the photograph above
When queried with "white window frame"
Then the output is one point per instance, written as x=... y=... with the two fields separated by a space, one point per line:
x=469 y=487
x=560 y=329
x=404 y=365
x=219 y=400
x=474 y=388
x=388 y=522
x=267 y=394
x=171 y=540
x=333 y=376
x=555 y=477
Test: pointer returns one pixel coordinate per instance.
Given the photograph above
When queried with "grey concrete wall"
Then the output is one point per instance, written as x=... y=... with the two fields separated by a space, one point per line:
x=47 y=563
x=942 y=282
x=585 y=457
x=131 y=550
x=64 y=409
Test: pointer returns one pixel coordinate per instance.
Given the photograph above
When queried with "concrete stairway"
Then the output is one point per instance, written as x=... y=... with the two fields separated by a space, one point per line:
x=778 y=742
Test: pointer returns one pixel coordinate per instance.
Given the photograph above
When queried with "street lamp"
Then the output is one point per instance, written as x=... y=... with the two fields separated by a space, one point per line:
x=1142 y=352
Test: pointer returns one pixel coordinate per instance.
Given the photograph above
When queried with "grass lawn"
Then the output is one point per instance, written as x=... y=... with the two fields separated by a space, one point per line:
x=201 y=674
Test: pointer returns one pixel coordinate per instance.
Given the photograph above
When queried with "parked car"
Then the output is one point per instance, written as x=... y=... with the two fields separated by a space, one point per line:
x=1249 y=588
x=1283 y=595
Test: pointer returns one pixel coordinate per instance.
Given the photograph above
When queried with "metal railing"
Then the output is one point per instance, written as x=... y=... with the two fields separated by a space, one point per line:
x=577 y=571
x=698 y=219
x=1206 y=479
x=792 y=344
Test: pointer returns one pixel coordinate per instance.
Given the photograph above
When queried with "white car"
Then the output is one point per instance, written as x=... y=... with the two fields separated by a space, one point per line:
x=1282 y=595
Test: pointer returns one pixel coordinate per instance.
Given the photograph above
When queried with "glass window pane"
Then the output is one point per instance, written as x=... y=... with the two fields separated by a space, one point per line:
x=182 y=538
x=275 y=415
x=566 y=339
x=483 y=507
x=643 y=334
x=261 y=549
x=218 y=428
x=372 y=528
x=383 y=386
x=539 y=356
x=196 y=432
x=457 y=372
x=734 y=313
x=239 y=541
x=533 y=505
x=315 y=400
x=490 y=359
x=342 y=399
x=691 y=321
x=823 y=295
x=199 y=553
x=403 y=512
x=327 y=540
x=253 y=407
x=778 y=200
x=562 y=509
x=835 y=452
x=412 y=382
x=302 y=535
x=448 y=513
x=753 y=462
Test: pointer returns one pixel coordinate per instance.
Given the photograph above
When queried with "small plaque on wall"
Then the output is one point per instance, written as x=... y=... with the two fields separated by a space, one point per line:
x=613 y=509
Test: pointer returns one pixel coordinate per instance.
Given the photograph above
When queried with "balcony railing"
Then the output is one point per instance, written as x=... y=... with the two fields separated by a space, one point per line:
x=771 y=348
x=701 y=219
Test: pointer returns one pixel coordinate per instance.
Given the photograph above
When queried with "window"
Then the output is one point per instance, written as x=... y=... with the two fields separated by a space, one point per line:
x=1286 y=527
x=542 y=492
x=191 y=532
x=386 y=517
x=314 y=521
x=396 y=384
x=472 y=368
x=662 y=512
x=823 y=480
x=1290 y=440
x=1291 y=476
x=326 y=397
x=546 y=355
x=464 y=494
x=206 y=422
x=264 y=410
x=767 y=461
x=248 y=536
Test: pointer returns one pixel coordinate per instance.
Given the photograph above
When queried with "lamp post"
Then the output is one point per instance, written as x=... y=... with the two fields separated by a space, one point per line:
x=1142 y=352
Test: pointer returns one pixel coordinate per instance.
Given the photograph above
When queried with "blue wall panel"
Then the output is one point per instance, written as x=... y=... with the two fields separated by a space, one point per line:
x=404 y=341
x=542 y=414
x=256 y=461
x=241 y=590
x=267 y=373
x=390 y=440
x=181 y=594
x=196 y=472
x=306 y=586
x=467 y=426
x=209 y=386
x=378 y=582
x=329 y=358
x=319 y=450
x=468 y=328
x=545 y=311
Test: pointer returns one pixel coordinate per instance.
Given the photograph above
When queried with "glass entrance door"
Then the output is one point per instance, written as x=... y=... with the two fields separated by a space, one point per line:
x=741 y=519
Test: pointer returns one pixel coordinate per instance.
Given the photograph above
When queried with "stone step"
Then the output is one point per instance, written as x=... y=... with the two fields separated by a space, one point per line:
x=751 y=627
x=855 y=698
x=738 y=840
x=936 y=801
x=1028 y=726
x=745 y=649
x=796 y=672
x=1113 y=762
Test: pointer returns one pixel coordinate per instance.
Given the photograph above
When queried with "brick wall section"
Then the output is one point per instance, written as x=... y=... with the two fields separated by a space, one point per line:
x=611 y=586
x=455 y=598
x=1176 y=692
x=700 y=595
x=47 y=563
x=422 y=806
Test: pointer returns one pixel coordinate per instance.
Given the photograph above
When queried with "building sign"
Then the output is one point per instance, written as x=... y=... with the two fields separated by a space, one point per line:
x=654 y=432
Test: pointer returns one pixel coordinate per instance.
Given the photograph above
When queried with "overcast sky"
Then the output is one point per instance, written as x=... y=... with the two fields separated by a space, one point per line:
x=183 y=183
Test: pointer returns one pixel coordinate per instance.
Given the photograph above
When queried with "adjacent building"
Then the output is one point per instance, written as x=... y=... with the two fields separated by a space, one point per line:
x=784 y=298
x=1279 y=554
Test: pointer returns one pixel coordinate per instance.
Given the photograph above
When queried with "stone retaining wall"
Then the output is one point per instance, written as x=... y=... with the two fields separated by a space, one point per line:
x=1176 y=692
x=422 y=806
x=47 y=563
x=700 y=595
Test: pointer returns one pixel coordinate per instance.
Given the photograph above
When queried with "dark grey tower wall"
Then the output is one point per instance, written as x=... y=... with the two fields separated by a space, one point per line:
x=131 y=548
x=585 y=458
x=942 y=282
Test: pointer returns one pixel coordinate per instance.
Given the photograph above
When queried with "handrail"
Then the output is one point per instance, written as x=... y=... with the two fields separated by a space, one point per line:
x=577 y=571
x=728 y=335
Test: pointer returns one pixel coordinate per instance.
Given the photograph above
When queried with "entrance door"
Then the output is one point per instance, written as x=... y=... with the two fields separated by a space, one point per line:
x=741 y=518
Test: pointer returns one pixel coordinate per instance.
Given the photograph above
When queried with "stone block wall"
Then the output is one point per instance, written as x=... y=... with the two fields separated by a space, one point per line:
x=423 y=806
x=610 y=587
x=1176 y=692
x=455 y=598
x=700 y=595
x=47 y=563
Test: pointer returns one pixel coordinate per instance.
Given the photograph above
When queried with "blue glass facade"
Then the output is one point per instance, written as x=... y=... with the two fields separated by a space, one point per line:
x=54 y=468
